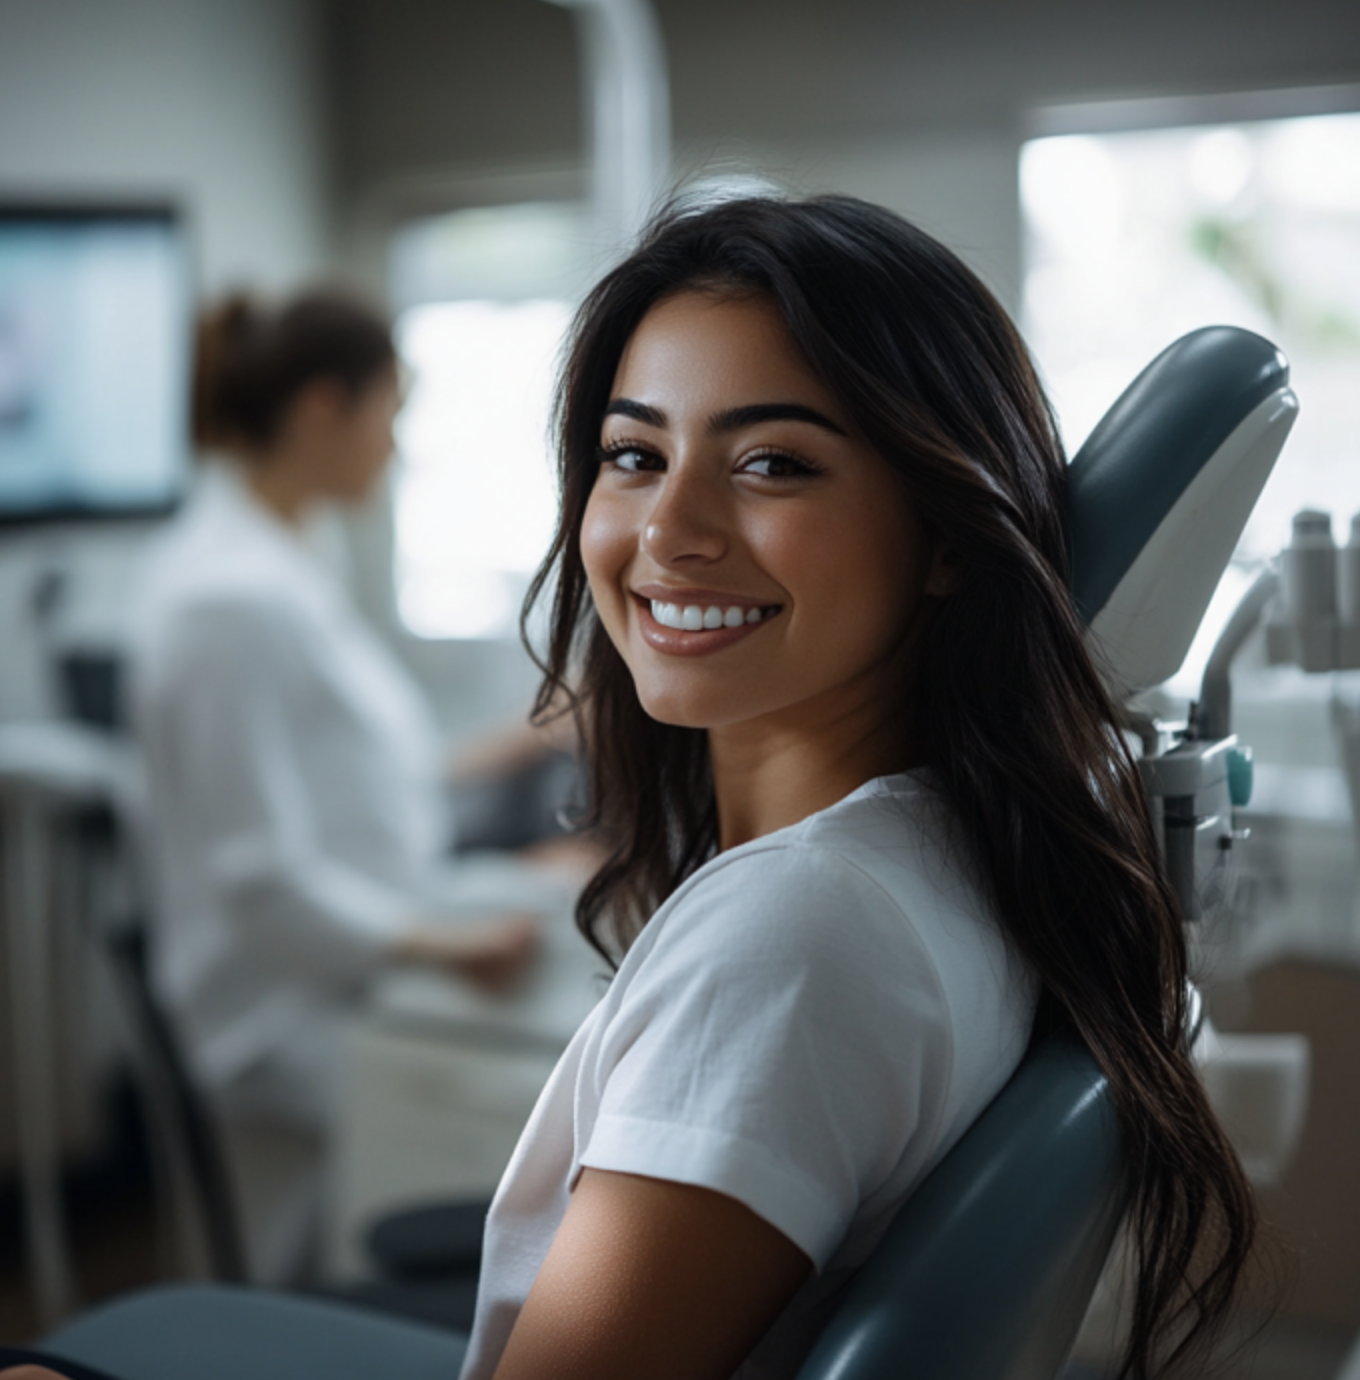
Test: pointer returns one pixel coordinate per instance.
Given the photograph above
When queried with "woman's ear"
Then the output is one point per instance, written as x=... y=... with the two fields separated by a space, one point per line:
x=946 y=568
x=321 y=402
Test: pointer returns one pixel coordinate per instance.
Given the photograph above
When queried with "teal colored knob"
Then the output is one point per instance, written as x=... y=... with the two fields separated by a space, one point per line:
x=1239 y=776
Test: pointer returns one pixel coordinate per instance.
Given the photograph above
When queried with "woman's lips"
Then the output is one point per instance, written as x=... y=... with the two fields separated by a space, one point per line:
x=695 y=642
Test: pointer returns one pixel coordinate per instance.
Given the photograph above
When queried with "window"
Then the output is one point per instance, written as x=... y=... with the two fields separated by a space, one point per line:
x=484 y=301
x=1135 y=238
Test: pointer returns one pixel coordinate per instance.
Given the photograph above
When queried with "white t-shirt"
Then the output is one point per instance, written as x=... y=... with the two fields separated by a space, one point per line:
x=806 y=1025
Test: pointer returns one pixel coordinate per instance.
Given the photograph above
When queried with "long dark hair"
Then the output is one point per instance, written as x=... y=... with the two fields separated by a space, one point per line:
x=933 y=374
x=251 y=359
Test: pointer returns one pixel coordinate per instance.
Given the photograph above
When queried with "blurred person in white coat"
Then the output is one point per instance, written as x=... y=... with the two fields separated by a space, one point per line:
x=298 y=805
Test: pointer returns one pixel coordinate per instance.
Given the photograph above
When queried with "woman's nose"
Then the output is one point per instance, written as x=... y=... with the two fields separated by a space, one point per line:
x=686 y=523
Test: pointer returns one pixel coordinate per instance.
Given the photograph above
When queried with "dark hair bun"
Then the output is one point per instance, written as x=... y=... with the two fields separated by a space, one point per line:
x=252 y=360
x=219 y=344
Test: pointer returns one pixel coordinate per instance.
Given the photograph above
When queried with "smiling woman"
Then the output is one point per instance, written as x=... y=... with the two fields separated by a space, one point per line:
x=760 y=569
x=868 y=820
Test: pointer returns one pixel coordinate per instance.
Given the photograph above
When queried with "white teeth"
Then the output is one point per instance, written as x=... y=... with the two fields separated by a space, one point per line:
x=695 y=617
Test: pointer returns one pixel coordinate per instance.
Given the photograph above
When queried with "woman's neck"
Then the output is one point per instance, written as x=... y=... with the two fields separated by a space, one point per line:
x=279 y=487
x=769 y=776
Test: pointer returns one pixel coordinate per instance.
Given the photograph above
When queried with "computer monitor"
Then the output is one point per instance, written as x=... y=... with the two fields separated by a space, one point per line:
x=95 y=319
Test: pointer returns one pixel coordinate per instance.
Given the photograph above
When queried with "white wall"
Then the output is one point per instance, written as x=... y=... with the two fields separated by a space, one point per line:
x=960 y=185
x=215 y=103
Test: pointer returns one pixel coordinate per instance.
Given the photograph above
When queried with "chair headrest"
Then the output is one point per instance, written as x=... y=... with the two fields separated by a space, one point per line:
x=1159 y=494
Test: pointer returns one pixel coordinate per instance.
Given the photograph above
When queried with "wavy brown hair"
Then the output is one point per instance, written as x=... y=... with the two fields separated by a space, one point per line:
x=1019 y=730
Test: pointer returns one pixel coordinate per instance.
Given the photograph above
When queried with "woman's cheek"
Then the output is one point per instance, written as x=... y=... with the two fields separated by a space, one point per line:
x=607 y=542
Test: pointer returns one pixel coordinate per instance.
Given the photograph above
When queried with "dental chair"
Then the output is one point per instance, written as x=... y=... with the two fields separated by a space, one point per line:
x=988 y=1269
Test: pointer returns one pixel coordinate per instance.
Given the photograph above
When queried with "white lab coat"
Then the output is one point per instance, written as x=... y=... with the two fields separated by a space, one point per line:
x=297 y=811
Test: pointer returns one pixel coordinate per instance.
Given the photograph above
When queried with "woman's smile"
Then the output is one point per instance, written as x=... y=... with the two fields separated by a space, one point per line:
x=696 y=622
x=749 y=556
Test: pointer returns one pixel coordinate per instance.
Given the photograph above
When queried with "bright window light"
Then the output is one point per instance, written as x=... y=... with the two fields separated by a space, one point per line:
x=484 y=298
x=475 y=493
x=1134 y=239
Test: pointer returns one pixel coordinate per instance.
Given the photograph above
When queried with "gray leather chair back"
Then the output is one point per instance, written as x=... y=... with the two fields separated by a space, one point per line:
x=986 y=1272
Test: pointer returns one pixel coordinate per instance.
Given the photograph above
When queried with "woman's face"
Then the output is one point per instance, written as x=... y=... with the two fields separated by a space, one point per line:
x=753 y=560
x=364 y=435
x=340 y=441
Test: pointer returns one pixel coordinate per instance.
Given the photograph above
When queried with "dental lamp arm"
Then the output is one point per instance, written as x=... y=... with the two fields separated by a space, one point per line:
x=627 y=89
x=1214 y=716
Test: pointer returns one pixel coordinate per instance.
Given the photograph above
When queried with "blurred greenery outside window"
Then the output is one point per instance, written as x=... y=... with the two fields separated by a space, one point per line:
x=483 y=301
x=1133 y=239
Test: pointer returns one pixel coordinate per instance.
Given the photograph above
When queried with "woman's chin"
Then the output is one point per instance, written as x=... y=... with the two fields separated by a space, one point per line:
x=693 y=709
x=675 y=718
x=679 y=709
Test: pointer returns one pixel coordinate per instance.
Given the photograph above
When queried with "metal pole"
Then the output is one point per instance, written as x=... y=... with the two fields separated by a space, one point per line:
x=624 y=63
x=1214 y=717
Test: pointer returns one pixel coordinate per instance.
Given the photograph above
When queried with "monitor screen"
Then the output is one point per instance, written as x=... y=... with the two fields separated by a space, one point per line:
x=94 y=354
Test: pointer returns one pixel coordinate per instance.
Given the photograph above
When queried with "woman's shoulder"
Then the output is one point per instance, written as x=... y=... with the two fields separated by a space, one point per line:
x=210 y=575
x=221 y=548
x=230 y=621
x=879 y=883
x=893 y=836
x=879 y=868
x=237 y=610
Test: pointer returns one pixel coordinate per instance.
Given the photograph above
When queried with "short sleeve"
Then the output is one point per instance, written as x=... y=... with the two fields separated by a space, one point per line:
x=783 y=1041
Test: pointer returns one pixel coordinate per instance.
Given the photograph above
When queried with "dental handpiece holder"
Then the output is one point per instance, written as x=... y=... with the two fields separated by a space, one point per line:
x=1194 y=787
x=1198 y=774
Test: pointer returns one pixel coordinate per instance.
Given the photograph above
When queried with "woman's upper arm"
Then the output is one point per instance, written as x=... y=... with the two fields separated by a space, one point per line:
x=647 y=1277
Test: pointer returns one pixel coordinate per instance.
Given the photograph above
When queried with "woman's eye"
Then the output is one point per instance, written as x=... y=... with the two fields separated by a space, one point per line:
x=631 y=460
x=777 y=467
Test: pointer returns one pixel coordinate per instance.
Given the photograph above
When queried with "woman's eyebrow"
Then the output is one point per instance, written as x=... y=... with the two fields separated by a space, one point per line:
x=732 y=419
x=639 y=412
x=735 y=418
